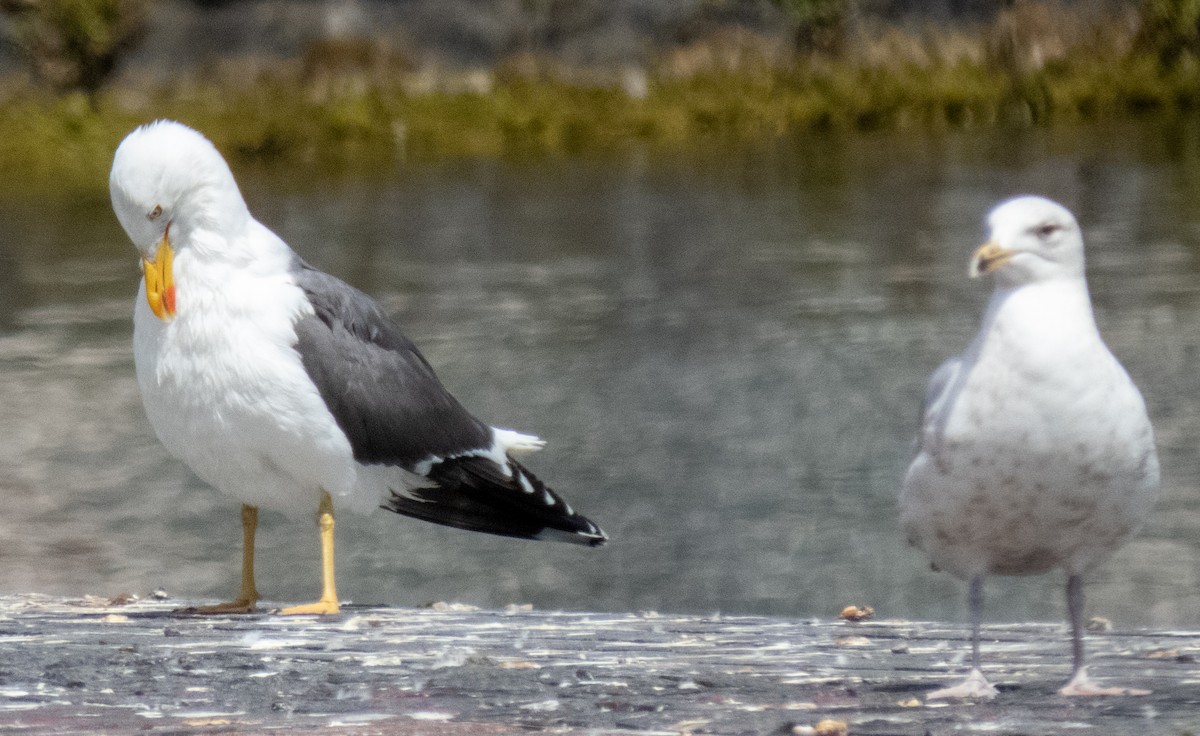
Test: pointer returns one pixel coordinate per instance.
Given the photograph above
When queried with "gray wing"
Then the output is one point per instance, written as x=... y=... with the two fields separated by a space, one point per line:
x=394 y=411
x=380 y=389
x=943 y=384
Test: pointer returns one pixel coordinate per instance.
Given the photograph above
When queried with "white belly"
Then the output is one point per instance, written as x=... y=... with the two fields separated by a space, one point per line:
x=226 y=393
x=1031 y=472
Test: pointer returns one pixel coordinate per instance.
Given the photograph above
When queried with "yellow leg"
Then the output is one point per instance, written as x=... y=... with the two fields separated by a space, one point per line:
x=329 y=600
x=248 y=597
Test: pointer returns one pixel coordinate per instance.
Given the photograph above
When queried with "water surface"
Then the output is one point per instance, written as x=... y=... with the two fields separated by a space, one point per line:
x=725 y=352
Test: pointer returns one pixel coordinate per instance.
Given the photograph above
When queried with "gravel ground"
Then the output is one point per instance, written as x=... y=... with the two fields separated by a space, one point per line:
x=97 y=666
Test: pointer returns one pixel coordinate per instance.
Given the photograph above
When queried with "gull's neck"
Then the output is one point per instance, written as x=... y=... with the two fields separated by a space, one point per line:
x=211 y=213
x=1055 y=313
x=247 y=245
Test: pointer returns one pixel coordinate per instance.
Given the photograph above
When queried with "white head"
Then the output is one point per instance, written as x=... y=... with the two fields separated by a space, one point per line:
x=166 y=175
x=171 y=190
x=1030 y=239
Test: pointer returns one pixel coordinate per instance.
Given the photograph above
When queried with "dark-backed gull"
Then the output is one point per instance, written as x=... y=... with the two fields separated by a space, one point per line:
x=288 y=389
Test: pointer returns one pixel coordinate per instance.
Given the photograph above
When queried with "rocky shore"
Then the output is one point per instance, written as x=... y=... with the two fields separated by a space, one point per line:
x=124 y=665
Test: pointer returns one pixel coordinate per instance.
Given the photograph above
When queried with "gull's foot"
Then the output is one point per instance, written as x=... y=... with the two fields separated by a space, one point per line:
x=322 y=607
x=1082 y=686
x=232 y=607
x=975 y=687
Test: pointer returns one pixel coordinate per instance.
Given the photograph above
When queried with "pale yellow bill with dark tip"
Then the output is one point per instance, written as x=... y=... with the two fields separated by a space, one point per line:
x=988 y=258
x=160 y=284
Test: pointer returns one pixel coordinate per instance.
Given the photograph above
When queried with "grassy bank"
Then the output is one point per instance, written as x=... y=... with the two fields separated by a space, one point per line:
x=349 y=105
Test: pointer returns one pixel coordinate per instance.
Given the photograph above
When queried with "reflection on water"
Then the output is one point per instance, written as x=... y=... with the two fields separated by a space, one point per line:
x=726 y=355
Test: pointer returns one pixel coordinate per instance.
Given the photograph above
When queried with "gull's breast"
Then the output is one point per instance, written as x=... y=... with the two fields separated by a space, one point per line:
x=225 y=390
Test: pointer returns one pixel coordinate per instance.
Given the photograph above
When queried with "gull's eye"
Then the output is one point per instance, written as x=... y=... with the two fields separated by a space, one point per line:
x=1046 y=230
x=153 y=214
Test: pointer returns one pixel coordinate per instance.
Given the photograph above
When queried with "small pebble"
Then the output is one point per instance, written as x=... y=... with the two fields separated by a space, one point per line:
x=854 y=613
x=454 y=607
x=823 y=728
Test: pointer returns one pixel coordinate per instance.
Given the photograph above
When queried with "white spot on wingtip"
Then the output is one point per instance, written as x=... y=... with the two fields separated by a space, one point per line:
x=526 y=486
x=426 y=465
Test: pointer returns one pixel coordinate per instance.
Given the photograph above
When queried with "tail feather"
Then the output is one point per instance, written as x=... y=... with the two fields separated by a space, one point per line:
x=476 y=494
x=516 y=442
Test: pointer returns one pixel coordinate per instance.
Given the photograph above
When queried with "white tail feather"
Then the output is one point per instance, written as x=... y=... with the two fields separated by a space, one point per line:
x=515 y=442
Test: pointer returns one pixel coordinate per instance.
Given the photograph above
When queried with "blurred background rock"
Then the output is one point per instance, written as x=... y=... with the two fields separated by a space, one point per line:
x=175 y=35
x=299 y=81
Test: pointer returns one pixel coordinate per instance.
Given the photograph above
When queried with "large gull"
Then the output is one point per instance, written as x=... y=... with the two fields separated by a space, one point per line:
x=288 y=389
x=1035 y=451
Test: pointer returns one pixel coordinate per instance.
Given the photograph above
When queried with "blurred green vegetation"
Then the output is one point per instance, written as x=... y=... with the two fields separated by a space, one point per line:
x=1171 y=28
x=75 y=44
x=354 y=104
x=819 y=25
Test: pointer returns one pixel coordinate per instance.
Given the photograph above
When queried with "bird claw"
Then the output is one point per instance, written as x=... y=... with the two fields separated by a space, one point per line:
x=975 y=687
x=320 y=608
x=1082 y=686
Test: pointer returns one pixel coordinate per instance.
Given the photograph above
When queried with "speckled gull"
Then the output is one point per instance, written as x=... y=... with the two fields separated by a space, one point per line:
x=1035 y=451
x=288 y=389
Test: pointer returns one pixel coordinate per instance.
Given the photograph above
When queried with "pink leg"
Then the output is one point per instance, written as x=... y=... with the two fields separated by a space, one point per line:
x=1080 y=684
x=976 y=686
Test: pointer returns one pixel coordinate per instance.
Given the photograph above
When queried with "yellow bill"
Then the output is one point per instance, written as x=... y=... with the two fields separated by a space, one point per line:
x=160 y=284
x=988 y=258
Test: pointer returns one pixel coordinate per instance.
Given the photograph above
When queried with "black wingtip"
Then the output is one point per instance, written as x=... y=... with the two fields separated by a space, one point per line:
x=597 y=537
x=474 y=493
x=590 y=536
